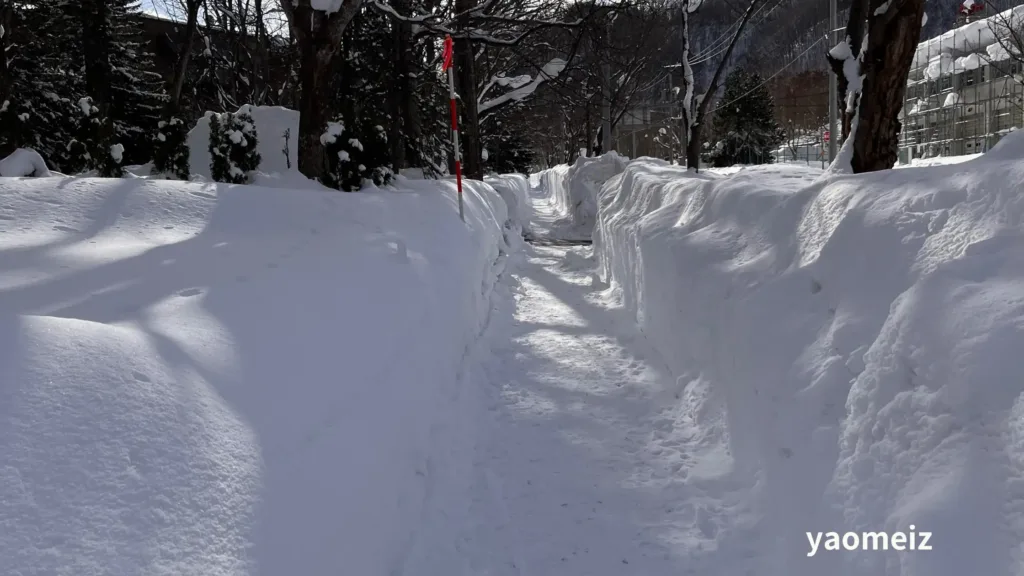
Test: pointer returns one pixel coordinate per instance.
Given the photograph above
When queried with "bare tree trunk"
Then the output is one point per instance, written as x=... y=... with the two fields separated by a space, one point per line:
x=395 y=96
x=854 y=36
x=96 y=51
x=469 y=128
x=184 y=55
x=406 y=126
x=319 y=37
x=893 y=35
x=314 y=76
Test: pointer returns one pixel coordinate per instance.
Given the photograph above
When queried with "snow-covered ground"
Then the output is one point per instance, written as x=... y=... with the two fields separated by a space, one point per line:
x=279 y=379
x=577 y=462
x=215 y=379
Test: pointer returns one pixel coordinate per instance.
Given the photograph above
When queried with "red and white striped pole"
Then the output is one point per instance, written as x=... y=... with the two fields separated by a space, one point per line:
x=448 y=50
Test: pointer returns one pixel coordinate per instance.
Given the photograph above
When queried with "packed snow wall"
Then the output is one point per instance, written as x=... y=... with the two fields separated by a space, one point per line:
x=515 y=191
x=574 y=191
x=277 y=131
x=848 y=350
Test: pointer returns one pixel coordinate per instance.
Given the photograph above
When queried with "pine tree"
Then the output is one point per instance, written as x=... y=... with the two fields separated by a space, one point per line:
x=366 y=80
x=233 y=146
x=44 y=81
x=170 y=149
x=220 y=165
x=243 y=138
x=746 y=125
x=344 y=158
x=119 y=75
x=82 y=145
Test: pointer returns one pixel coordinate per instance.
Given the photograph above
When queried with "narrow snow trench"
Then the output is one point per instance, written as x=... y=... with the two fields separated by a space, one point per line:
x=580 y=468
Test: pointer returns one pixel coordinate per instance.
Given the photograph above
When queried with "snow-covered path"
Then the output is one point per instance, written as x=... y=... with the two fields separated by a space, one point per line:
x=579 y=467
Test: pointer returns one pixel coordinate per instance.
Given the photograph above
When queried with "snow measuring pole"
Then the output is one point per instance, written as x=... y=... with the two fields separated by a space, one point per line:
x=447 y=66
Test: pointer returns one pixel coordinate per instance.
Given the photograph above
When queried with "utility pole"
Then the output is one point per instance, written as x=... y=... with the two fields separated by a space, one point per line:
x=833 y=95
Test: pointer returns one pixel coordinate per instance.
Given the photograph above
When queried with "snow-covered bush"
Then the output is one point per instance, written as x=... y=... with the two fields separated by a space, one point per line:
x=93 y=145
x=233 y=153
x=219 y=165
x=110 y=158
x=23 y=162
x=170 y=149
x=351 y=159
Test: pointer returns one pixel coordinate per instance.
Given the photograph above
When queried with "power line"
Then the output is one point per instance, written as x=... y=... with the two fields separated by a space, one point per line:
x=704 y=56
x=770 y=78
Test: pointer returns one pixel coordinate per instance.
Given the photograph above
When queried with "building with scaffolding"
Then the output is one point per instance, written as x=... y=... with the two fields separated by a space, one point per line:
x=965 y=90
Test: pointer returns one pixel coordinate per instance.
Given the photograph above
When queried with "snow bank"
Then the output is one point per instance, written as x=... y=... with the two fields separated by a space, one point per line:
x=938 y=160
x=216 y=379
x=271 y=124
x=515 y=191
x=574 y=191
x=848 y=352
x=23 y=162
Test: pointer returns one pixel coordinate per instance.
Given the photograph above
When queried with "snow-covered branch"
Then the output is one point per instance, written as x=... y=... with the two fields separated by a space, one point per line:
x=550 y=71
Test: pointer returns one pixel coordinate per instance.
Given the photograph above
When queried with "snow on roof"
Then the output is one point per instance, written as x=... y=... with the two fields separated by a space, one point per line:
x=972 y=37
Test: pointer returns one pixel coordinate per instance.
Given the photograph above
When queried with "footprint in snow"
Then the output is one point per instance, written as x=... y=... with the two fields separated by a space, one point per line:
x=139 y=376
x=190 y=292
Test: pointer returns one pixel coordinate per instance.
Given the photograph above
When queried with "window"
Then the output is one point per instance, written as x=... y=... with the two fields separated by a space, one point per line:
x=946 y=83
x=968 y=78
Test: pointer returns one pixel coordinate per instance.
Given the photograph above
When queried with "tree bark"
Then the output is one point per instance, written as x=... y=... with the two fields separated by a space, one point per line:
x=892 y=39
x=469 y=128
x=319 y=37
x=406 y=127
x=96 y=51
x=184 y=56
x=854 y=36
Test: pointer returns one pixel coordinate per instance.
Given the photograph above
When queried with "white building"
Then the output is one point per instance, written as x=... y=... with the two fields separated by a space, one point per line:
x=965 y=90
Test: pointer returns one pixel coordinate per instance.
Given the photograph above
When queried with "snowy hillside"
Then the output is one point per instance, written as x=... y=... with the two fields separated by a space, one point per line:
x=847 y=354
x=215 y=379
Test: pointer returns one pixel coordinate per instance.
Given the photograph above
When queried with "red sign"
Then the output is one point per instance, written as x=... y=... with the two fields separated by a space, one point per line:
x=827 y=135
x=447 y=53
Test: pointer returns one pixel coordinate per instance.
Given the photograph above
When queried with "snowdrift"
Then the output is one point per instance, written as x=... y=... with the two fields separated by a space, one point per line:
x=574 y=191
x=23 y=162
x=849 y=352
x=272 y=122
x=515 y=191
x=217 y=379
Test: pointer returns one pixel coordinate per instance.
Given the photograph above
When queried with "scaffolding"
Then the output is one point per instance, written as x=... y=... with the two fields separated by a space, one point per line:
x=965 y=91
